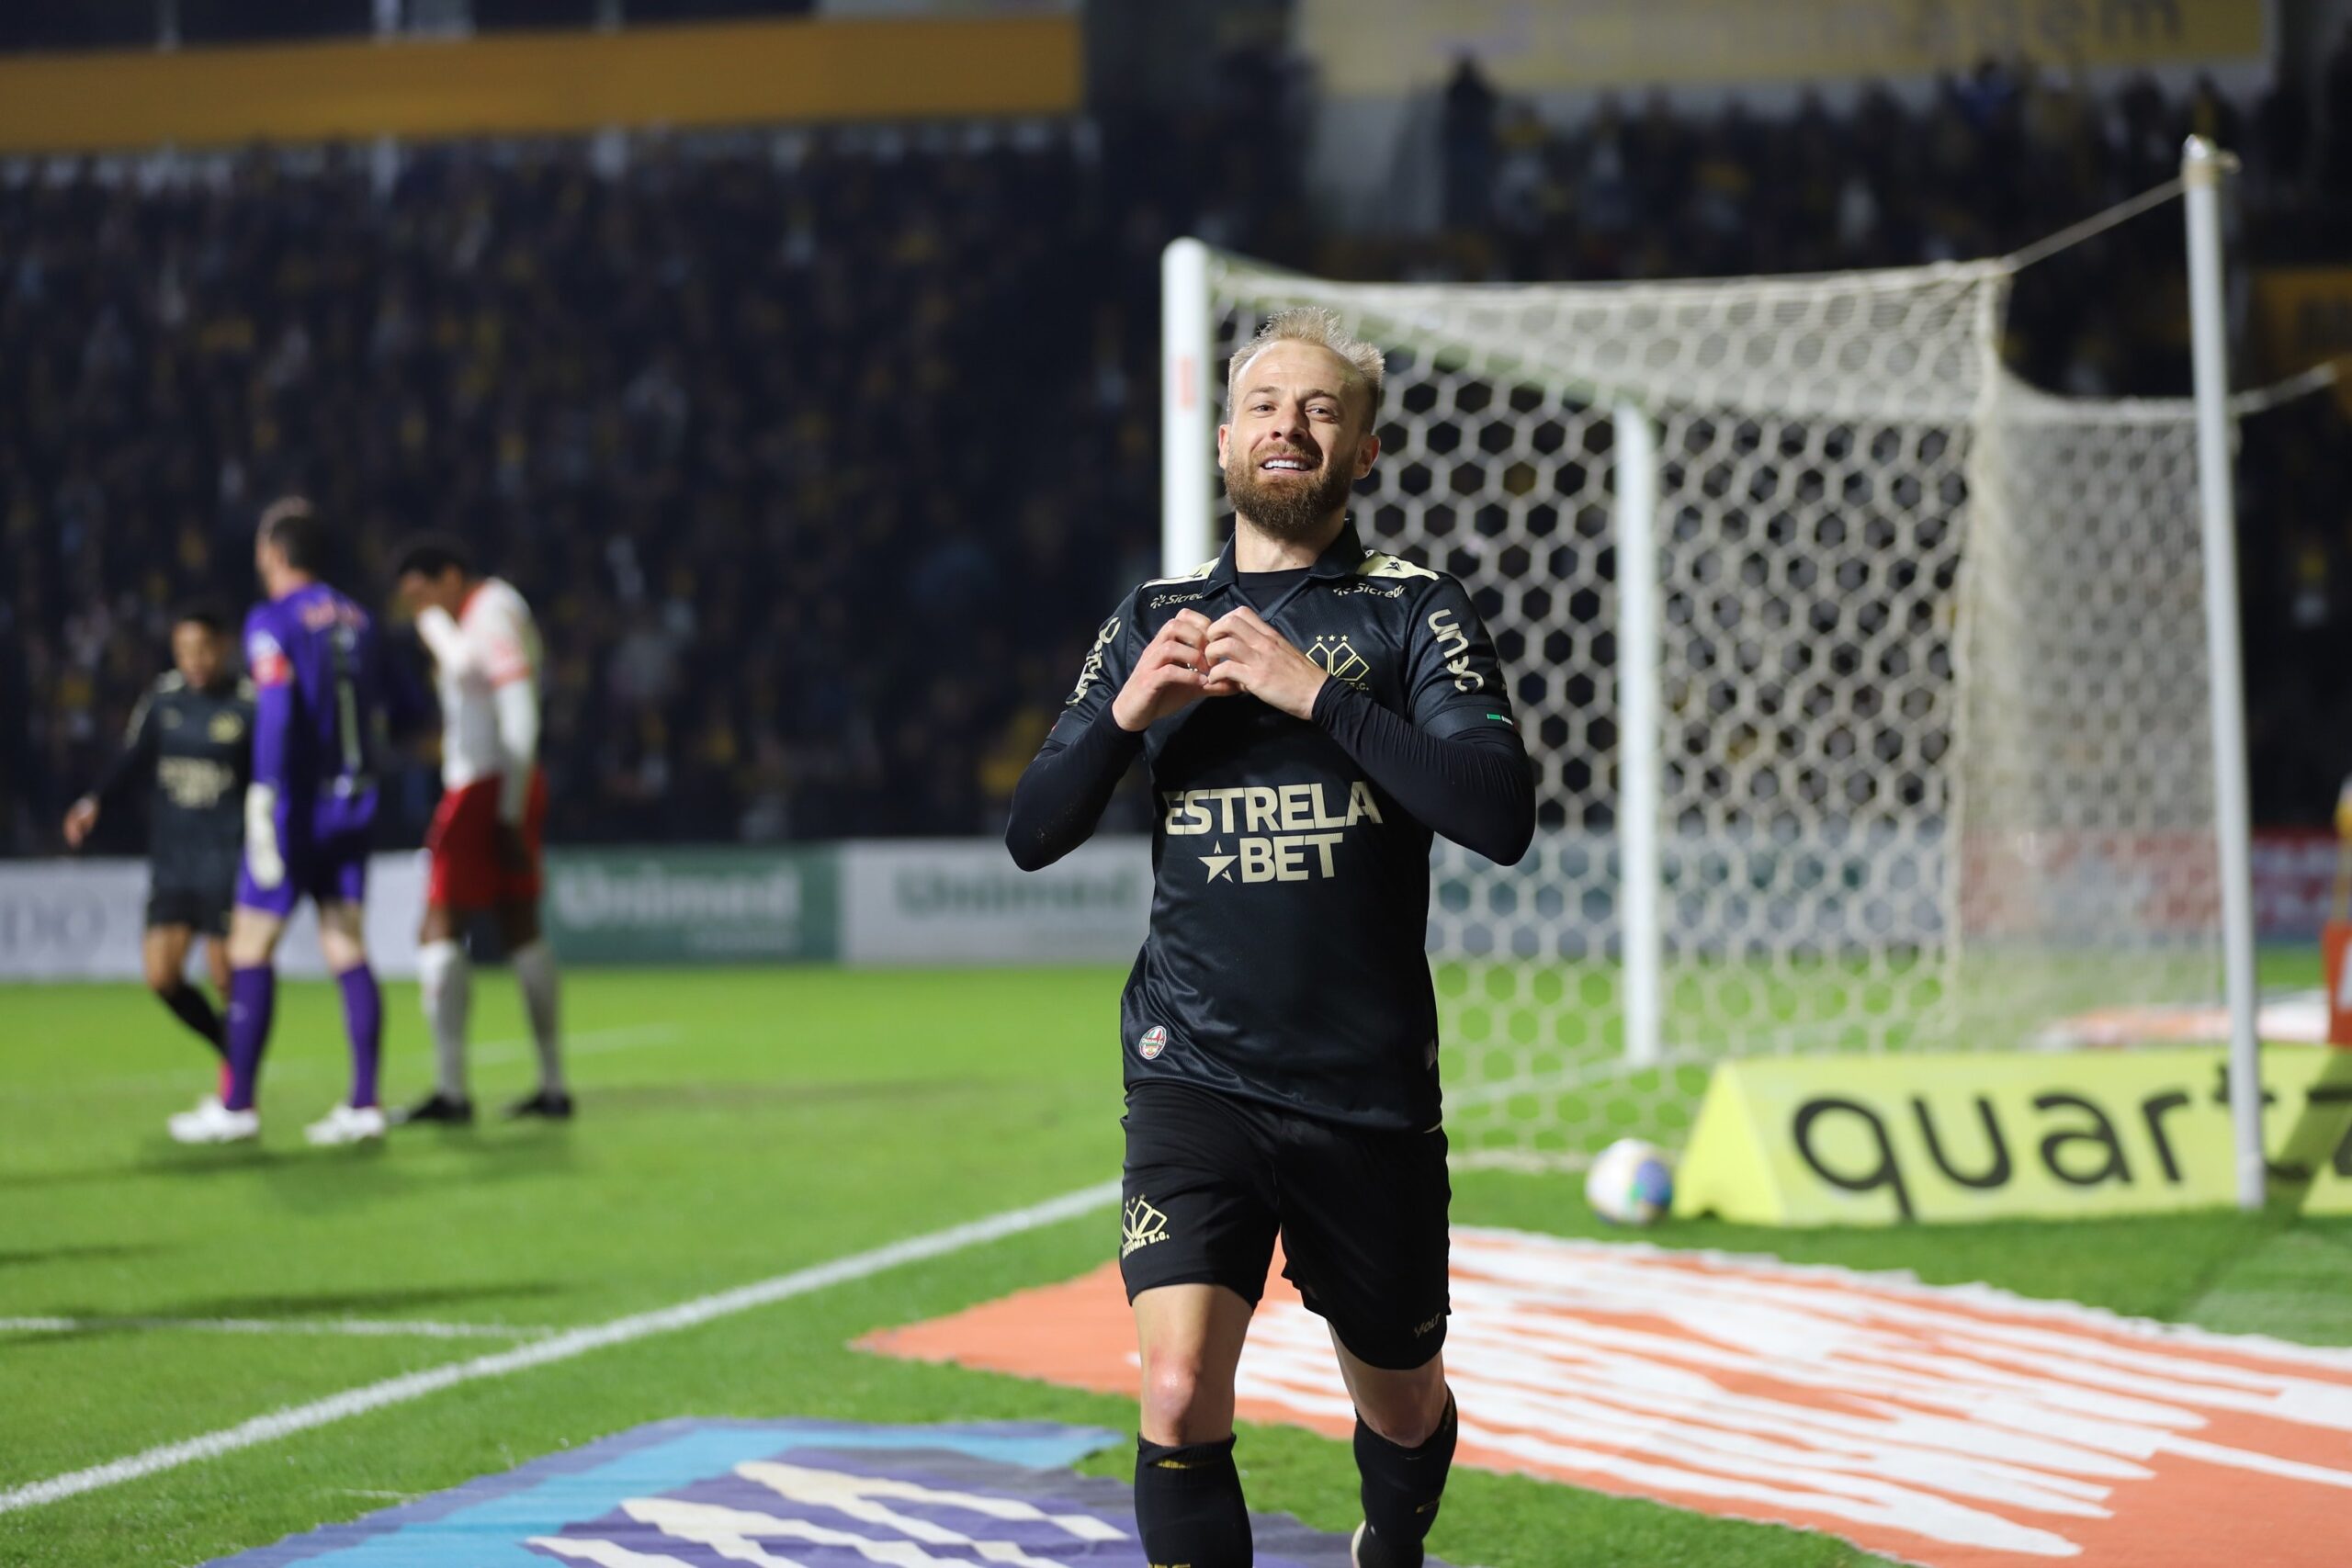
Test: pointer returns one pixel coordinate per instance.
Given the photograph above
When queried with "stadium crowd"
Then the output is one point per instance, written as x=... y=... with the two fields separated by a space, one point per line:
x=1991 y=163
x=1988 y=166
x=773 y=438
x=805 y=444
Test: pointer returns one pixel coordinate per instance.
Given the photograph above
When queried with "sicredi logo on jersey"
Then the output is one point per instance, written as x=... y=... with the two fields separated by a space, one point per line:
x=1280 y=833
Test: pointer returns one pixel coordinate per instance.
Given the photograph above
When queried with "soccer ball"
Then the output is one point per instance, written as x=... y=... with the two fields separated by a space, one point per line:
x=1631 y=1183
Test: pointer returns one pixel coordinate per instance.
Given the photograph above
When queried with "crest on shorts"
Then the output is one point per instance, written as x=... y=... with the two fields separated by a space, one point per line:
x=1140 y=1225
x=1154 y=1041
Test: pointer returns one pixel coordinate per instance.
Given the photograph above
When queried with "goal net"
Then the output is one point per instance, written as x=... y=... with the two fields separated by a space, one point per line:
x=1867 y=687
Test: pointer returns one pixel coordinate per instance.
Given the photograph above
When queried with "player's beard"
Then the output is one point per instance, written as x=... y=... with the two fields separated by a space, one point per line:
x=1286 y=509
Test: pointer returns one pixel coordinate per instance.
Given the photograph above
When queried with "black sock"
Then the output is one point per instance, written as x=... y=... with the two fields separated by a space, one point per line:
x=1402 y=1488
x=1189 y=1507
x=194 y=1009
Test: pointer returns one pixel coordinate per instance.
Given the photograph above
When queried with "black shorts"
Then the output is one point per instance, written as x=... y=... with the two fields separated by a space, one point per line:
x=1210 y=1181
x=204 y=907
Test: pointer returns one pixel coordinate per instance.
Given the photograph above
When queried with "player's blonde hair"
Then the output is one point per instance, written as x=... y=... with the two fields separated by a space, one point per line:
x=1312 y=323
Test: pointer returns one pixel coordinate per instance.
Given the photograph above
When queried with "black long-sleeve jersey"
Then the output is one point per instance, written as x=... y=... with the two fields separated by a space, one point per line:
x=1286 y=956
x=196 y=745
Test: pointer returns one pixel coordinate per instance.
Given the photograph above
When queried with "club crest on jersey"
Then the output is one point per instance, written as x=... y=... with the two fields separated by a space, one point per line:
x=1337 y=659
x=1154 y=1041
x=226 y=728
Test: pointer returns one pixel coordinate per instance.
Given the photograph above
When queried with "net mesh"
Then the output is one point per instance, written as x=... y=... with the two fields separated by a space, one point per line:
x=1932 y=744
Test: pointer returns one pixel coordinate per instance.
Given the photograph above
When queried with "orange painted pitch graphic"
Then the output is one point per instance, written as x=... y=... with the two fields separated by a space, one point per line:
x=1960 y=1428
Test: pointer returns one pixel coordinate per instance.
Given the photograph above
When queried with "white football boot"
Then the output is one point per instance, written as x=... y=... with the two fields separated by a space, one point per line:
x=345 y=1126
x=213 y=1122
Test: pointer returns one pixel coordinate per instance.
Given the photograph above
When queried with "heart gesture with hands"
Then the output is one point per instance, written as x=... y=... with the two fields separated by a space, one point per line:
x=1192 y=657
x=1169 y=677
x=1245 y=654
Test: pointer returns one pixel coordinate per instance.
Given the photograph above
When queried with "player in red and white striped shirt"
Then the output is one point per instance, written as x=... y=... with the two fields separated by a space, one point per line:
x=485 y=838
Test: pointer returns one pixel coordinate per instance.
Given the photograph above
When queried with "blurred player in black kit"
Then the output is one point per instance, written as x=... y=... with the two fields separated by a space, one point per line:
x=1309 y=713
x=191 y=740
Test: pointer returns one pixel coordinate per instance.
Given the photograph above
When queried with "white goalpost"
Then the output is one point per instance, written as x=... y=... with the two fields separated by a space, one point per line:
x=2202 y=166
x=1878 y=700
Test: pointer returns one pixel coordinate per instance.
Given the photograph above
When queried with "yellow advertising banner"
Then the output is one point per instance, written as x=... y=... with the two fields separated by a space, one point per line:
x=2302 y=317
x=531 y=84
x=1886 y=1140
x=2321 y=1142
x=1372 y=48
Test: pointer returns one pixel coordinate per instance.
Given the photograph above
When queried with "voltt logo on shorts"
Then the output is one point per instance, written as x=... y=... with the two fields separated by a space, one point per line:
x=1141 y=1225
x=1154 y=1041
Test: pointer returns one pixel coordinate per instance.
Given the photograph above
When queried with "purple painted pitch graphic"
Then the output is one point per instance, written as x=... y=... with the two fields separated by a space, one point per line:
x=784 y=1494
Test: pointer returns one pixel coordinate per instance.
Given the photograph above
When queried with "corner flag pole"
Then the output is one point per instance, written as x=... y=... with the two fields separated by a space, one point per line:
x=2202 y=167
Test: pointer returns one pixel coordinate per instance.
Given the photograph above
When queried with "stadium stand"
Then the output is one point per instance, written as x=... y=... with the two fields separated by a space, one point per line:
x=612 y=366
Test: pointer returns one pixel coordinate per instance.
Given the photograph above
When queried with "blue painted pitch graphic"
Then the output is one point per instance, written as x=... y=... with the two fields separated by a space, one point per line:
x=693 y=1494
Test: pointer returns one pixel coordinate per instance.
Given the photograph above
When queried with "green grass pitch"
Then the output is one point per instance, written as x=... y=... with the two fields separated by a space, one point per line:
x=736 y=1126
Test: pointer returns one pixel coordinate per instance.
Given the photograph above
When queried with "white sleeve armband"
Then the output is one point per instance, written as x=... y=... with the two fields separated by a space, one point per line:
x=263 y=857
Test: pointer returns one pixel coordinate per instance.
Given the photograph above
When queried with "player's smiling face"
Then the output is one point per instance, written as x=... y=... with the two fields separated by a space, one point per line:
x=1300 y=437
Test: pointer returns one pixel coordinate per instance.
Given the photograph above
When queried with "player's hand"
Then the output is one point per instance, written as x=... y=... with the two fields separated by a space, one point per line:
x=80 y=821
x=1245 y=654
x=1167 y=678
x=512 y=855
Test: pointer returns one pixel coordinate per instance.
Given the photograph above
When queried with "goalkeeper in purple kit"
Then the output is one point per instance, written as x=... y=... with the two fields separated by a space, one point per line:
x=319 y=678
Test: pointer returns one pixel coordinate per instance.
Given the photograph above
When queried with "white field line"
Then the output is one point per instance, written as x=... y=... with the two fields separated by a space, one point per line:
x=562 y=1346
x=359 y=1328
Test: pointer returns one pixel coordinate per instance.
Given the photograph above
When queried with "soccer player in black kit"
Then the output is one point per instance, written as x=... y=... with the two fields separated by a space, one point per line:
x=1309 y=713
x=191 y=738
